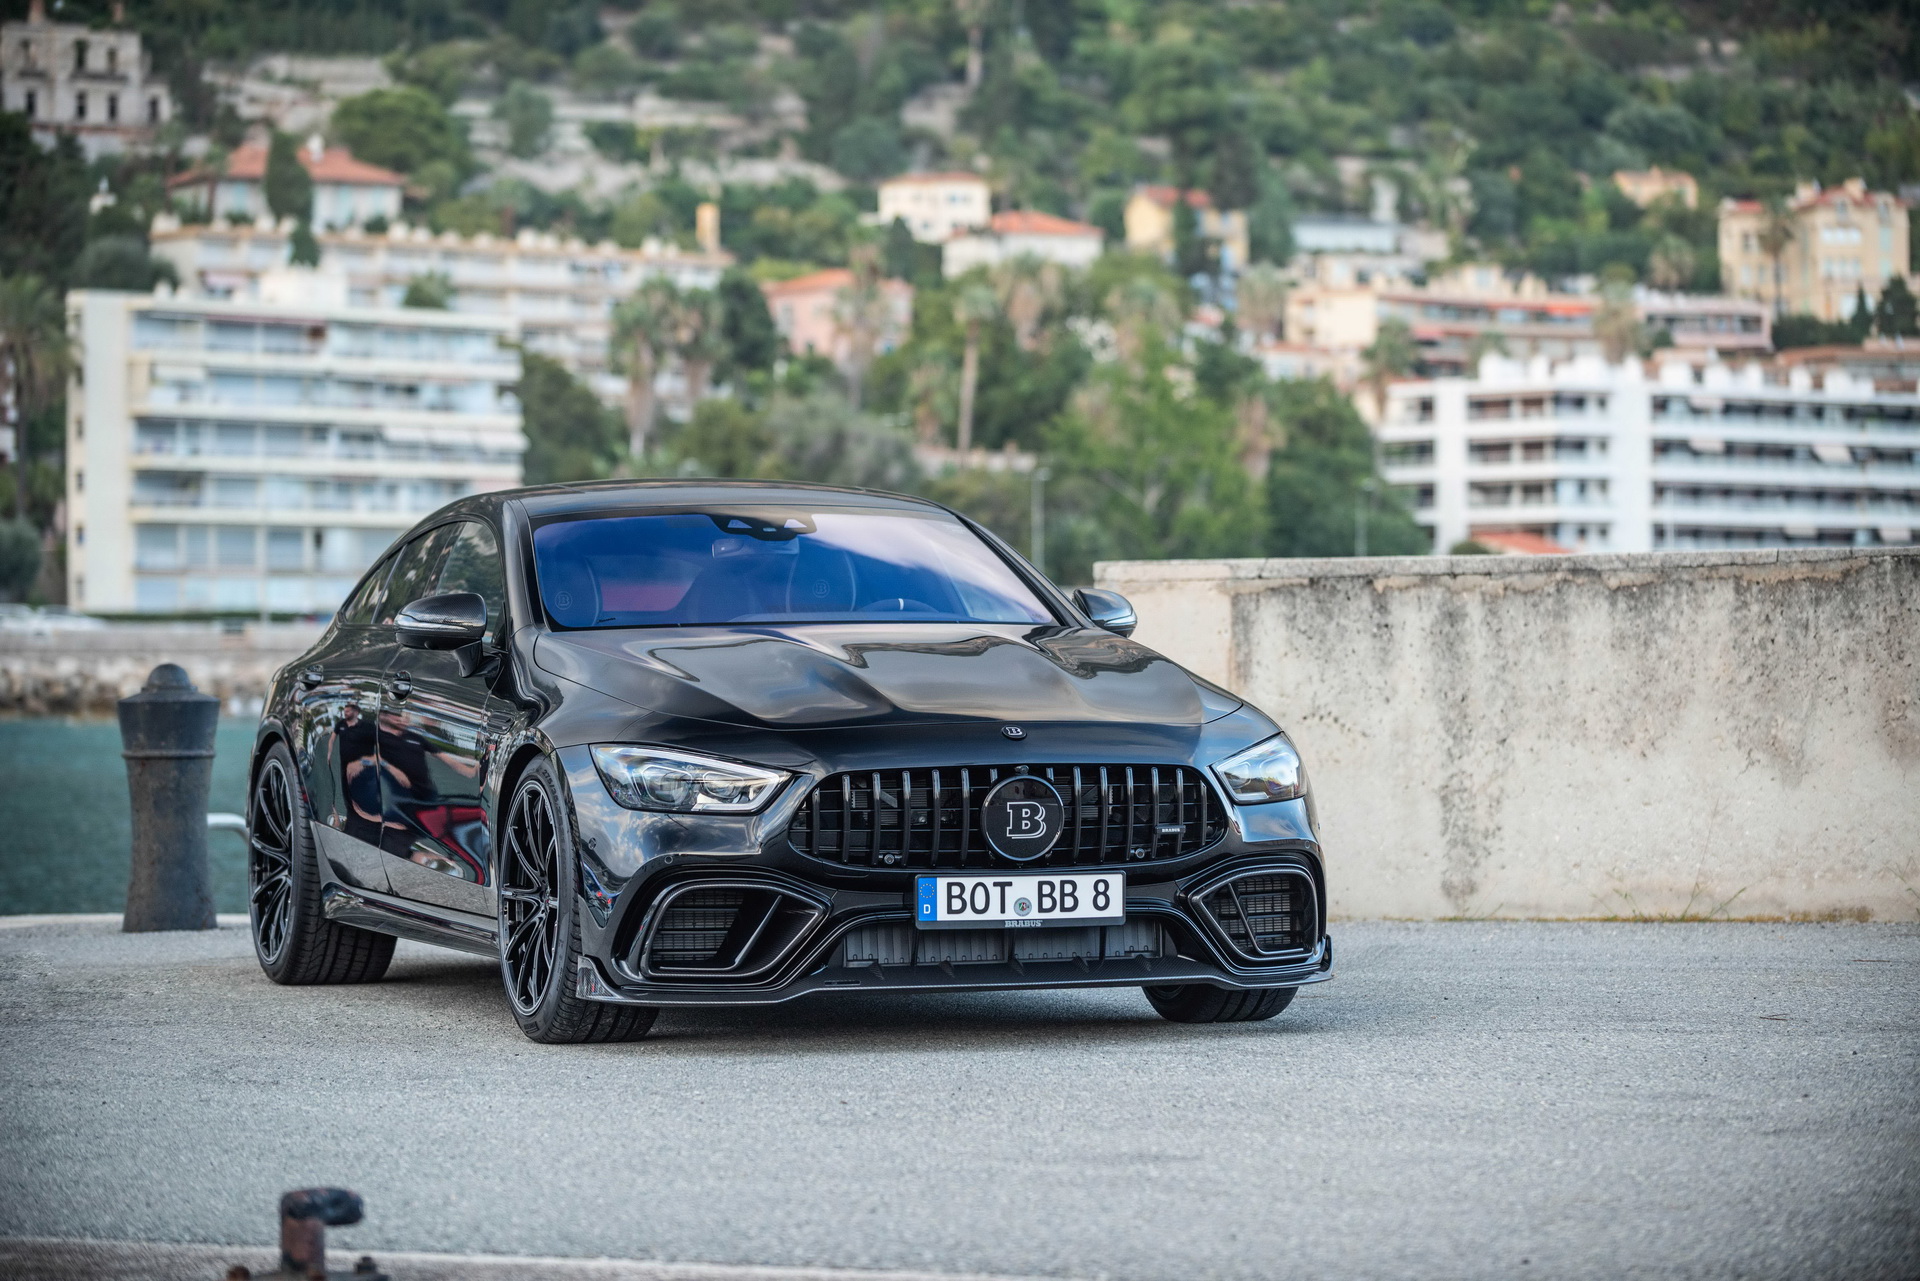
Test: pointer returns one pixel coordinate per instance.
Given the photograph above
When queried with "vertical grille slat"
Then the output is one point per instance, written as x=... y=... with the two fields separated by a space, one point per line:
x=927 y=818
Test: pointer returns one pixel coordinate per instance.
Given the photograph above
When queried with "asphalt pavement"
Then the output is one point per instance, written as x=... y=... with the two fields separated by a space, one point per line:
x=1463 y=1100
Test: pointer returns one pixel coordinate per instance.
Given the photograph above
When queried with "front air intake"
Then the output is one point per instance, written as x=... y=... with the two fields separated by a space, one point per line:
x=1262 y=914
x=732 y=931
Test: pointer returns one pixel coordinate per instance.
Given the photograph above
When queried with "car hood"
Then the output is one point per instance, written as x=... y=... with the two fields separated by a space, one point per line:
x=827 y=676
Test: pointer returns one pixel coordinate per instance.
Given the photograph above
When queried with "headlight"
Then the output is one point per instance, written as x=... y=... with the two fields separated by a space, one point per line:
x=654 y=778
x=1268 y=771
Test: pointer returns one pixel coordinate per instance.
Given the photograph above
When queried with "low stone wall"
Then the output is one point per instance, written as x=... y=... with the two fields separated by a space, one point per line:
x=69 y=671
x=1668 y=735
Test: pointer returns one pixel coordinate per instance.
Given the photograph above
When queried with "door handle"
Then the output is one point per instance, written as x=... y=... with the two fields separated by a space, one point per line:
x=399 y=686
x=312 y=676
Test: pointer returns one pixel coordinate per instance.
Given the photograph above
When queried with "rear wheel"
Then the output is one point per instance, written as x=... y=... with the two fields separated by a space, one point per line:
x=1199 y=1003
x=539 y=924
x=292 y=938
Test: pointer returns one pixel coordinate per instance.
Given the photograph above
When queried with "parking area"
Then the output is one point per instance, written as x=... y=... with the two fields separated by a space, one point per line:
x=1464 y=1099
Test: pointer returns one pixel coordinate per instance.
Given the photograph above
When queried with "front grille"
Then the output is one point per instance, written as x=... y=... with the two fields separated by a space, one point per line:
x=694 y=927
x=1265 y=913
x=927 y=818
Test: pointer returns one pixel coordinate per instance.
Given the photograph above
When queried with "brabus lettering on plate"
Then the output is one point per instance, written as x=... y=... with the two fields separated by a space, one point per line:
x=1020 y=901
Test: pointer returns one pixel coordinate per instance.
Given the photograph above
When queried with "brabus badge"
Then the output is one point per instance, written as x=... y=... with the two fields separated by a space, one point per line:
x=1013 y=731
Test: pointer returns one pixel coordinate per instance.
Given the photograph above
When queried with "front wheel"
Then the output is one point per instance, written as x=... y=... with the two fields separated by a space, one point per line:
x=539 y=924
x=1199 y=1003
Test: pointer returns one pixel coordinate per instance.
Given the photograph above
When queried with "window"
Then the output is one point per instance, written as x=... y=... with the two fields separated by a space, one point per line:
x=234 y=546
x=775 y=565
x=286 y=549
x=113 y=107
x=359 y=611
x=33 y=105
x=80 y=105
x=415 y=572
x=473 y=565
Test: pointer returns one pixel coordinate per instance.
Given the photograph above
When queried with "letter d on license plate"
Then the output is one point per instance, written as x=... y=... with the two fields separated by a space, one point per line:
x=1070 y=898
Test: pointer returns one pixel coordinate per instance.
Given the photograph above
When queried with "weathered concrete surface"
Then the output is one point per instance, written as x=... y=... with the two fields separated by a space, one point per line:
x=1714 y=734
x=84 y=671
x=1522 y=1100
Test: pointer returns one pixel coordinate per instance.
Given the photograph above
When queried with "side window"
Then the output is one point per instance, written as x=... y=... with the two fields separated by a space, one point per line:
x=414 y=573
x=359 y=611
x=473 y=565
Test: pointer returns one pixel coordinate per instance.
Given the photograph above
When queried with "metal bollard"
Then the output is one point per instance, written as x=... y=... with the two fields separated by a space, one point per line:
x=166 y=731
x=305 y=1217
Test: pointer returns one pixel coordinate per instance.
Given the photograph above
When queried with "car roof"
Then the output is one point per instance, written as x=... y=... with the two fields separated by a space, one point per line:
x=603 y=495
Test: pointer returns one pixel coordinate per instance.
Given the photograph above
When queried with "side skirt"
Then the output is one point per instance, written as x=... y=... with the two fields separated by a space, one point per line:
x=404 y=918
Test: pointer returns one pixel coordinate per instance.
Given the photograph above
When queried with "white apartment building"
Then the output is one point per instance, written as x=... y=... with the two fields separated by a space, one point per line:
x=257 y=455
x=1023 y=233
x=95 y=84
x=1625 y=459
x=558 y=293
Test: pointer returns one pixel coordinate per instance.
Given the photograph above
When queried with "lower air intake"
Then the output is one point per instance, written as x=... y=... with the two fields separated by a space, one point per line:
x=732 y=931
x=1263 y=914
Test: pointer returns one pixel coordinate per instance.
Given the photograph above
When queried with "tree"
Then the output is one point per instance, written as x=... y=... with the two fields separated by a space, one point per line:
x=570 y=434
x=121 y=262
x=868 y=148
x=1616 y=323
x=528 y=115
x=1236 y=172
x=605 y=69
x=431 y=292
x=43 y=202
x=302 y=249
x=723 y=438
x=753 y=341
x=1776 y=233
x=288 y=186
x=860 y=314
x=34 y=358
x=1897 y=315
x=642 y=329
x=1026 y=289
x=1262 y=299
x=1670 y=265
x=699 y=338
x=973 y=16
x=19 y=558
x=1391 y=355
x=1319 y=478
x=973 y=309
x=824 y=439
x=404 y=128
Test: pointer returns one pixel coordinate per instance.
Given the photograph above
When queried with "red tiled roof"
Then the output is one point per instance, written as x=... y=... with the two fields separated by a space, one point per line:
x=831 y=278
x=1031 y=222
x=1165 y=196
x=248 y=163
x=1516 y=542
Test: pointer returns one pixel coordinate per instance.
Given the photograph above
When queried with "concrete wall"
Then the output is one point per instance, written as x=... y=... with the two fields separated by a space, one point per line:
x=83 y=672
x=1722 y=734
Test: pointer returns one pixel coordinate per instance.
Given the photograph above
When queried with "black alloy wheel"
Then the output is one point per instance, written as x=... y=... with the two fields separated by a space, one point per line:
x=292 y=938
x=539 y=924
x=1200 y=1003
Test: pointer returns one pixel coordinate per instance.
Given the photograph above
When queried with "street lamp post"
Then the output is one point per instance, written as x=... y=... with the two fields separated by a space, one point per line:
x=1038 y=513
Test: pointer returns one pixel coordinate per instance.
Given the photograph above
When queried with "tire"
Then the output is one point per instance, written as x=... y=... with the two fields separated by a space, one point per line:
x=539 y=923
x=1199 y=1003
x=292 y=939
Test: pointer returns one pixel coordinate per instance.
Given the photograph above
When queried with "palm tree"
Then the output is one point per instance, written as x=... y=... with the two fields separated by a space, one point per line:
x=34 y=357
x=1670 y=265
x=1392 y=355
x=1025 y=288
x=860 y=314
x=973 y=16
x=1141 y=310
x=975 y=307
x=1776 y=233
x=643 y=327
x=1616 y=323
x=1262 y=300
x=699 y=338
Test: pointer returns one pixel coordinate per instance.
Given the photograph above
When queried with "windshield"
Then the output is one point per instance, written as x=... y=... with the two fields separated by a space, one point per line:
x=775 y=565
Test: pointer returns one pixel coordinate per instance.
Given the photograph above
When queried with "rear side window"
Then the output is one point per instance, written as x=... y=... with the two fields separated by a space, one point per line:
x=473 y=565
x=359 y=611
x=415 y=573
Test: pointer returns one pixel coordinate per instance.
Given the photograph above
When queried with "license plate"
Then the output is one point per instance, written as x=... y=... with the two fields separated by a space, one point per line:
x=1068 y=898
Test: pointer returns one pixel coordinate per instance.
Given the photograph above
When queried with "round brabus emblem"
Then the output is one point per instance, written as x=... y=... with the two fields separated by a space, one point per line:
x=1022 y=817
x=1013 y=731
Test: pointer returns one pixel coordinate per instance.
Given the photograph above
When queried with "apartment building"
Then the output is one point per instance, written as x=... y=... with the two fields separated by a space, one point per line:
x=810 y=312
x=1629 y=458
x=1023 y=233
x=94 y=84
x=256 y=455
x=1149 y=222
x=558 y=294
x=1834 y=244
x=935 y=206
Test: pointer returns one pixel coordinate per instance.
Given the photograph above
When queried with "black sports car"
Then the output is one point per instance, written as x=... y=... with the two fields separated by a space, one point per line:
x=728 y=743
